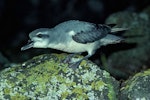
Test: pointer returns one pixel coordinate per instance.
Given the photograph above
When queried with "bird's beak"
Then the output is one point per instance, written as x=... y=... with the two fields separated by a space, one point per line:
x=27 y=46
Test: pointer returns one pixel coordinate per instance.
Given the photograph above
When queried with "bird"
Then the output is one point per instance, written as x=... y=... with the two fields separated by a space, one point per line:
x=74 y=36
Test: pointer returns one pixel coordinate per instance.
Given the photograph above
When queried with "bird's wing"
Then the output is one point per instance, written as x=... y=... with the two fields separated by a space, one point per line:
x=91 y=35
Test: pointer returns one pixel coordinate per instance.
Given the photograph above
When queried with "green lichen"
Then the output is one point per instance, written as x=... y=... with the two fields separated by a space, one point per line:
x=46 y=77
x=145 y=73
x=6 y=91
x=99 y=85
x=64 y=95
x=112 y=94
x=131 y=82
x=18 y=96
x=80 y=93
x=137 y=87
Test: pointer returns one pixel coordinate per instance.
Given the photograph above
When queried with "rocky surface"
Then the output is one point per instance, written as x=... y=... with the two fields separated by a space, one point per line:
x=137 y=87
x=46 y=77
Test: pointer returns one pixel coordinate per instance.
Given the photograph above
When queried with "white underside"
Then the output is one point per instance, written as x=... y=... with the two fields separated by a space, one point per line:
x=74 y=47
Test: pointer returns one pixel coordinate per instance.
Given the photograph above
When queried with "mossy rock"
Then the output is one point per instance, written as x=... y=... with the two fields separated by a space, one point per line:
x=137 y=87
x=46 y=77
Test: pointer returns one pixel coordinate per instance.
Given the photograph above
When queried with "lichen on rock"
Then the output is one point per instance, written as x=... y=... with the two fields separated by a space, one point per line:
x=47 y=77
x=137 y=87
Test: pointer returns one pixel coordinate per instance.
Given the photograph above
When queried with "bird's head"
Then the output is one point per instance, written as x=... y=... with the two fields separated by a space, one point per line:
x=39 y=38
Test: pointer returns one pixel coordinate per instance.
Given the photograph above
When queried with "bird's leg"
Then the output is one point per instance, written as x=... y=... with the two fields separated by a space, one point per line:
x=74 y=65
x=68 y=58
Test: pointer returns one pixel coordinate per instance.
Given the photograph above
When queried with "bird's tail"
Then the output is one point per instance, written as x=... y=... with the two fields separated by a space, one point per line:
x=111 y=39
x=118 y=29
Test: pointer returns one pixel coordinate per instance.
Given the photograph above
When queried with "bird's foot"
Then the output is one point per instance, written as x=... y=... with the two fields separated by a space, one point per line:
x=68 y=58
x=75 y=65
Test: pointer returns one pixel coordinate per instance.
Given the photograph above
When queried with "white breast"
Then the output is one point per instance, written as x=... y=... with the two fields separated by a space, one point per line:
x=74 y=47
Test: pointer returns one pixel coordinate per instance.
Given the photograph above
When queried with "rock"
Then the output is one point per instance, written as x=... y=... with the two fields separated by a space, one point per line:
x=46 y=77
x=135 y=51
x=137 y=87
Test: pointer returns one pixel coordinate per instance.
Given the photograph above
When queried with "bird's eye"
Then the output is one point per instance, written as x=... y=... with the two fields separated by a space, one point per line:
x=39 y=35
x=42 y=35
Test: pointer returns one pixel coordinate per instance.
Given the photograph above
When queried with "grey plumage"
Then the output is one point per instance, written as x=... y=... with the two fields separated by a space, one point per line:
x=74 y=36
